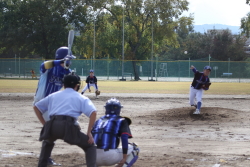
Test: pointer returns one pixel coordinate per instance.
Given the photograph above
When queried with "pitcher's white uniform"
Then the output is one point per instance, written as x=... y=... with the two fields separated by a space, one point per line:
x=197 y=89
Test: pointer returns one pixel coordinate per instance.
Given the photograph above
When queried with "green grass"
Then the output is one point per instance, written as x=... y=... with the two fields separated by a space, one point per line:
x=29 y=86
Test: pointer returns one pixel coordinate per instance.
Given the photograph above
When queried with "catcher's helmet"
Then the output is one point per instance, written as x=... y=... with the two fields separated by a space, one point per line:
x=61 y=52
x=113 y=106
x=71 y=80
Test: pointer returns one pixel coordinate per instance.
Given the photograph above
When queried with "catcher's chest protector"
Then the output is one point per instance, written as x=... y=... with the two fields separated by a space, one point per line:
x=105 y=132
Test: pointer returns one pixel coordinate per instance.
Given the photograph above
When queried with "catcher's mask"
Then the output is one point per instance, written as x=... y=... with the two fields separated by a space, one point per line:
x=71 y=80
x=113 y=106
x=61 y=52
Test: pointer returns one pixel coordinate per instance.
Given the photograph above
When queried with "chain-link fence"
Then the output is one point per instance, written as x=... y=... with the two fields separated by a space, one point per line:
x=110 y=69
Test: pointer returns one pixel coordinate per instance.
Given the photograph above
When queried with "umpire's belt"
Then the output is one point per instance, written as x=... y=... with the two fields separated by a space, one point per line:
x=62 y=117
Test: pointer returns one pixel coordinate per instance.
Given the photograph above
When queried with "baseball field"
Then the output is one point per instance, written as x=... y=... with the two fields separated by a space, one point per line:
x=29 y=86
x=163 y=126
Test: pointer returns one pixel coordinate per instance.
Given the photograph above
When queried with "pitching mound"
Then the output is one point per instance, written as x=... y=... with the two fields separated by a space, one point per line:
x=207 y=113
x=211 y=114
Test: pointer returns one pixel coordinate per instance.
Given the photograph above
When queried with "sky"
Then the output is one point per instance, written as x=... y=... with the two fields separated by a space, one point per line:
x=228 y=12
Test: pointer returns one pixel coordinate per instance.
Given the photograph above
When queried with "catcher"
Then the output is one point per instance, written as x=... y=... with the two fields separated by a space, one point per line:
x=200 y=83
x=108 y=131
x=91 y=81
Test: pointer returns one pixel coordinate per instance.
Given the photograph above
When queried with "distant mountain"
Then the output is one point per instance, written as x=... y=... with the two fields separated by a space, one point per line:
x=203 y=28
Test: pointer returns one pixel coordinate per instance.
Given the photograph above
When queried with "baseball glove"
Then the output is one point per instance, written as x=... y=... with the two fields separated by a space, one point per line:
x=97 y=92
x=206 y=84
x=206 y=87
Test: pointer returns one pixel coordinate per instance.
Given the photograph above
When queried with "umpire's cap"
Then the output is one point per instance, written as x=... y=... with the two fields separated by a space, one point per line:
x=91 y=70
x=71 y=80
x=207 y=68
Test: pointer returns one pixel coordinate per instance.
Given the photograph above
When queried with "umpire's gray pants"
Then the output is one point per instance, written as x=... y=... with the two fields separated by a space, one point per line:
x=59 y=129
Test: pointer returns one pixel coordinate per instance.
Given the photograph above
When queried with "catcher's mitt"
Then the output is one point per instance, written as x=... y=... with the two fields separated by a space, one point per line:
x=97 y=92
x=205 y=85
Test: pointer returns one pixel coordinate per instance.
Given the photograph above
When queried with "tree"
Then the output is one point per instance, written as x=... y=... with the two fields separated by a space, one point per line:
x=38 y=27
x=176 y=51
x=220 y=45
x=245 y=25
x=139 y=17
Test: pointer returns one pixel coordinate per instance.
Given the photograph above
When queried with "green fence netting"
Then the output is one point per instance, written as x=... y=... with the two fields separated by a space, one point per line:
x=113 y=68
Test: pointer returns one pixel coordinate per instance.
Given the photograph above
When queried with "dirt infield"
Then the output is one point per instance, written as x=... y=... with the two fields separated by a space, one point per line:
x=165 y=129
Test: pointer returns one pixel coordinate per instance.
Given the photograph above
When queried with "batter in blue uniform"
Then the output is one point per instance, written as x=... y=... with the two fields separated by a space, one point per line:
x=51 y=75
x=198 y=86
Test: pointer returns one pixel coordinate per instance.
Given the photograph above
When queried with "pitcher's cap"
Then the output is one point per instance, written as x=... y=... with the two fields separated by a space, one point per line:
x=207 y=68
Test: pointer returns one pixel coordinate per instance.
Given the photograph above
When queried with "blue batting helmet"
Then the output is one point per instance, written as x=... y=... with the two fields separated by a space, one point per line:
x=113 y=106
x=61 y=52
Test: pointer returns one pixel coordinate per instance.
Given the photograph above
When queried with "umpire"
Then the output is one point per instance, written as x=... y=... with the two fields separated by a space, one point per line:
x=64 y=108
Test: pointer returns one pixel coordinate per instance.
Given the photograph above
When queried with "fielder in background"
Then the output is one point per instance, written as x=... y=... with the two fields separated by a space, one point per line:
x=91 y=80
x=52 y=73
x=107 y=133
x=200 y=83
x=64 y=108
x=33 y=74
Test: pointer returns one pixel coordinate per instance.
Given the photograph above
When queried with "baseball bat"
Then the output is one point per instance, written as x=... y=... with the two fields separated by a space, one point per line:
x=70 y=43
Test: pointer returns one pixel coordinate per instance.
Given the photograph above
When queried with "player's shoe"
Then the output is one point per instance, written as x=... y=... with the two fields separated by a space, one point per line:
x=195 y=105
x=197 y=111
x=51 y=162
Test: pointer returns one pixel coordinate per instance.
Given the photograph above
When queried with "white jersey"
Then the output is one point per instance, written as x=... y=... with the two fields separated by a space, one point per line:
x=67 y=102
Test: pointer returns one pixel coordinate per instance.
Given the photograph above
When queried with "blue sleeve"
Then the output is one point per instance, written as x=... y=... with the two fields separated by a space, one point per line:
x=194 y=70
x=124 y=138
x=57 y=62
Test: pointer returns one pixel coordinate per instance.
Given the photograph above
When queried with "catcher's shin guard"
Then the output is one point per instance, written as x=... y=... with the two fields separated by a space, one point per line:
x=133 y=156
